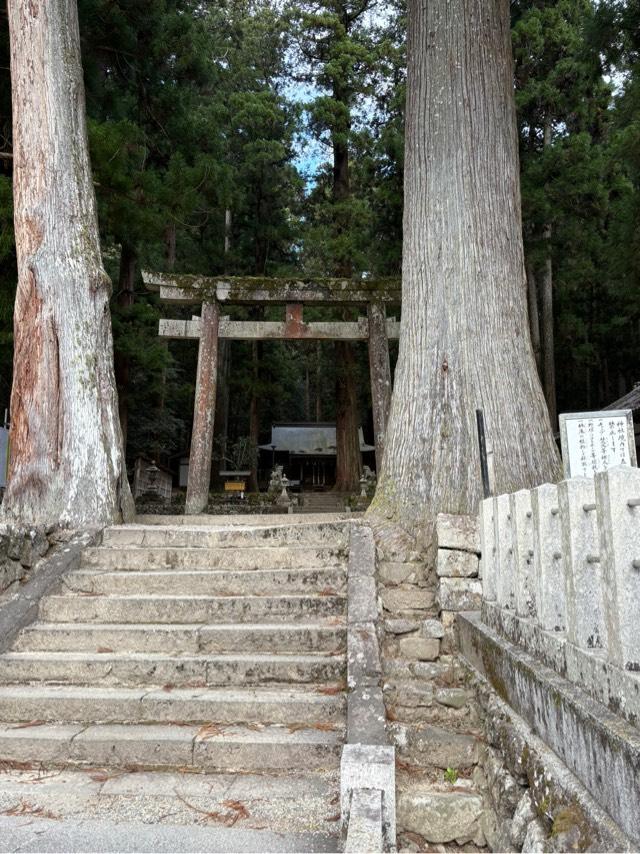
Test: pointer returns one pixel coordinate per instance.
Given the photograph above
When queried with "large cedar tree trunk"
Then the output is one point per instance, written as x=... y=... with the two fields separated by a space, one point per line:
x=67 y=463
x=465 y=340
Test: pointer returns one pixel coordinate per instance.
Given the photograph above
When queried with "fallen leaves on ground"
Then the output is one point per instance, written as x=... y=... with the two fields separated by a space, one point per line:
x=14 y=765
x=330 y=690
x=101 y=775
x=321 y=726
x=210 y=731
x=27 y=724
x=26 y=808
x=234 y=811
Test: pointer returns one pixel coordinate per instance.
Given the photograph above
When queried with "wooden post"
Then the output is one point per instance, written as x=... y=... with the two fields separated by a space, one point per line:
x=380 y=371
x=203 y=411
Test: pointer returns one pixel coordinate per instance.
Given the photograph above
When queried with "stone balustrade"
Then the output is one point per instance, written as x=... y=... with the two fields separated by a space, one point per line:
x=560 y=570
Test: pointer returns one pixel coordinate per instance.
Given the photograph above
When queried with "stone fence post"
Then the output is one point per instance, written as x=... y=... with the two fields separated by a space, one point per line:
x=487 y=569
x=583 y=574
x=505 y=566
x=618 y=502
x=522 y=526
x=547 y=558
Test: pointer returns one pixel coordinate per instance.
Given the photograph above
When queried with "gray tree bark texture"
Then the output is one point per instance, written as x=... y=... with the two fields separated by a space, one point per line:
x=464 y=340
x=67 y=464
x=204 y=411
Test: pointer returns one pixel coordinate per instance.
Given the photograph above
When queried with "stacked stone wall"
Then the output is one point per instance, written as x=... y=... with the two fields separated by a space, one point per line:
x=471 y=774
x=431 y=710
x=20 y=550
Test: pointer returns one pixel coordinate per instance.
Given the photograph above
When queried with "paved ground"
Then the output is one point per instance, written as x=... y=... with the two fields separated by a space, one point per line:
x=93 y=811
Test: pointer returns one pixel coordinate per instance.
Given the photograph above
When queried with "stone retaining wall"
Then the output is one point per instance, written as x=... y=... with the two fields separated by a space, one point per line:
x=432 y=713
x=20 y=550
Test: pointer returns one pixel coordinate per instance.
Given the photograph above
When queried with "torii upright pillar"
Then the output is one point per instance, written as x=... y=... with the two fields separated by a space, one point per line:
x=203 y=411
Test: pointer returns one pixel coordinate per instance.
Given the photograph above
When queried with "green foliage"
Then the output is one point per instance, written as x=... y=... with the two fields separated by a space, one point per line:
x=196 y=110
x=575 y=181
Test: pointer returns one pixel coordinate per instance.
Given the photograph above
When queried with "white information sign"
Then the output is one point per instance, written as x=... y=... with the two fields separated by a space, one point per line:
x=595 y=441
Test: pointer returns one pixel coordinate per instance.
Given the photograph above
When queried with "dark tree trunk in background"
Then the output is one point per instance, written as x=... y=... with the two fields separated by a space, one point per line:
x=534 y=315
x=318 y=382
x=254 y=412
x=221 y=423
x=67 y=462
x=548 y=337
x=170 y=246
x=465 y=340
x=348 y=458
x=125 y=299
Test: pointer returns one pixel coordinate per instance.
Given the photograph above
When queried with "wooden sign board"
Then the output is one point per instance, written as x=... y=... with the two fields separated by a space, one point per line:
x=235 y=486
x=595 y=441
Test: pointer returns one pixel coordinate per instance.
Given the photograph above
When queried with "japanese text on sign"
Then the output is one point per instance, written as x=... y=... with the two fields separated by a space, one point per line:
x=595 y=441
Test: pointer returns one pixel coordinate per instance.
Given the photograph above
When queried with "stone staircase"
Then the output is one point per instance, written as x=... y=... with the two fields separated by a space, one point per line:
x=187 y=647
x=323 y=502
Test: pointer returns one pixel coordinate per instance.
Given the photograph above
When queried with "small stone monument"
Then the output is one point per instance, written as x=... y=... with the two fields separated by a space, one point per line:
x=275 y=483
x=283 y=499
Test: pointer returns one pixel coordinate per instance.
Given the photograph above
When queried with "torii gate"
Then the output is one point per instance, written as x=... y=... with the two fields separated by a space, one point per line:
x=212 y=292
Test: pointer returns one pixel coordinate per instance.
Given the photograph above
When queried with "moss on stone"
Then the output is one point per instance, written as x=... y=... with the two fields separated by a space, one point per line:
x=569 y=817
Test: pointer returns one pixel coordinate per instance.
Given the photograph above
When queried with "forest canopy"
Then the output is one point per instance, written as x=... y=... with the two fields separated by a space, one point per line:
x=211 y=126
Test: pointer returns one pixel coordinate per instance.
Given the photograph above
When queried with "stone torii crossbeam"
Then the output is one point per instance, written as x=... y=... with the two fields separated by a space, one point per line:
x=212 y=292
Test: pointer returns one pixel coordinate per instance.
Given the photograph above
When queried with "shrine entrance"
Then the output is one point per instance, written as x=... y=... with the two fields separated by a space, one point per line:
x=214 y=293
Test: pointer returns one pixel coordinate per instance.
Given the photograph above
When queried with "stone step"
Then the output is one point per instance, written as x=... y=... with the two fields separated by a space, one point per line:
x=187 y=609
x=197 y=671
x=153 y=746
x=256 y=582
x=179 y=639
x=237 y=520
x=98 y=705
x=329 y=534
x=177 y=559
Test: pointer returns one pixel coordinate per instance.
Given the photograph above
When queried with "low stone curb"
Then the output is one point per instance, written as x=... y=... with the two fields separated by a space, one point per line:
x=599 y=748
x=615 y=688
x=22 y=609
x=367 y=769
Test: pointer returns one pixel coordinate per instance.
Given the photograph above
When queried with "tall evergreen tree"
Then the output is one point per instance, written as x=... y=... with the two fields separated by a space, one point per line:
x=67 y=462
x=464 y=340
